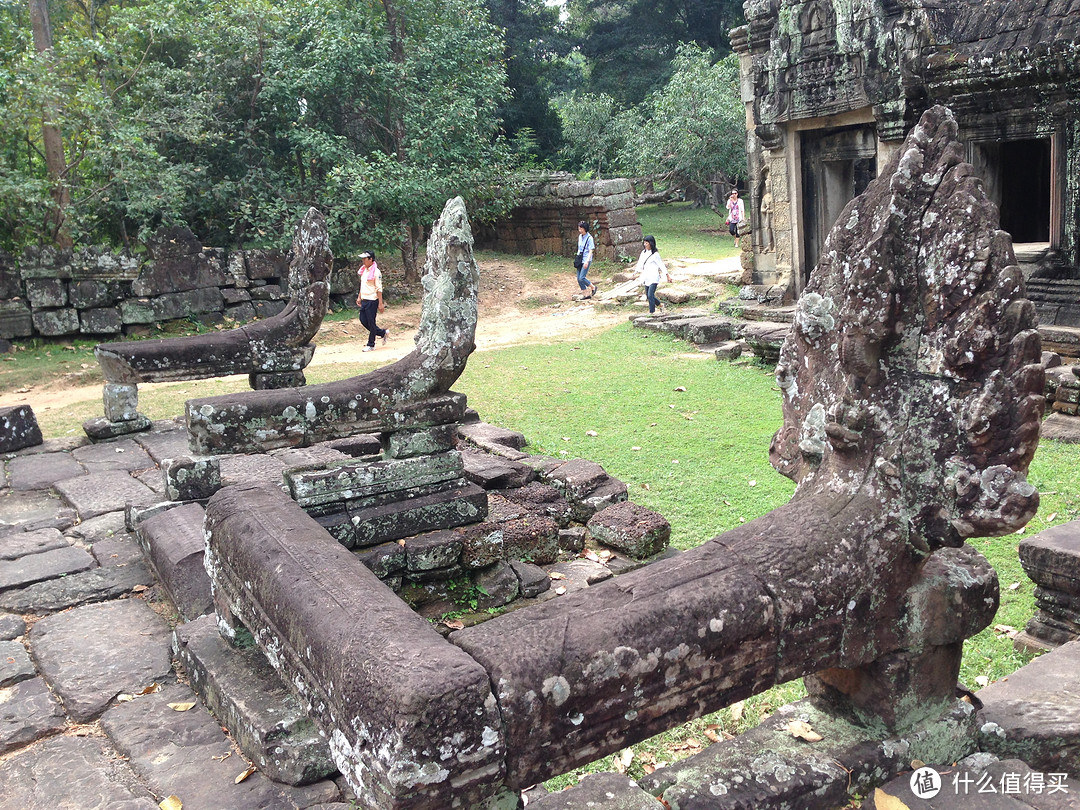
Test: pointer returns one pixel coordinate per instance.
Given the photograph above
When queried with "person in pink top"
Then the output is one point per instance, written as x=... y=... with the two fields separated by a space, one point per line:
x=370 y=299
x=736 y=214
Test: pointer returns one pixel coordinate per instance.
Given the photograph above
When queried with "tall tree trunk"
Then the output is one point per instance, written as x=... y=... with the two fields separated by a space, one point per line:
x=55 y=164
x=410 y=234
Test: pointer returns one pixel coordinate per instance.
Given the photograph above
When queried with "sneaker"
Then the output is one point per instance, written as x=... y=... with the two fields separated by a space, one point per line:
x=368 y=349
x=385 y=335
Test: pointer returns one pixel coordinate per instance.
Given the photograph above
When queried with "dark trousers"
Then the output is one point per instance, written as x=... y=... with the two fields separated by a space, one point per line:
x=650 y=295
x=368 y=311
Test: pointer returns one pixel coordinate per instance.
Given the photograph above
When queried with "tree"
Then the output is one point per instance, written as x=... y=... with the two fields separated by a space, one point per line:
x=693 y=131
x=592 y=132
x=55 y=164
x=630 y=44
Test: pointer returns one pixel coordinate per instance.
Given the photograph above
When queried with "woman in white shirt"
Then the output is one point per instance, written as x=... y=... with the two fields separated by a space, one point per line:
x=651 y=271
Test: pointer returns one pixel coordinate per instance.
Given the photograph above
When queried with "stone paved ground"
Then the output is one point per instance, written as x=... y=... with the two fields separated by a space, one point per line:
x=90 y=691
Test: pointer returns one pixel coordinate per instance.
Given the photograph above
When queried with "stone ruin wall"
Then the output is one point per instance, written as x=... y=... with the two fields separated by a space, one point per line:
x=546 y=217
x=96 y=292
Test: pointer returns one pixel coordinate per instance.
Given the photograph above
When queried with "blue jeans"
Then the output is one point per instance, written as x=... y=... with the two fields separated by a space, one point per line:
x=368 y=311
x=650 y=294
x=582 y=281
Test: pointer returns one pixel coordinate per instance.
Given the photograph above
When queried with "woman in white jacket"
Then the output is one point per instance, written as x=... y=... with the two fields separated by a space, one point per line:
x=651 y=271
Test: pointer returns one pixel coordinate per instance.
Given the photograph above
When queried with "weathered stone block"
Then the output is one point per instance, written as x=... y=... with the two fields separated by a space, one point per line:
x=28 y=712
x=46 y=292
x=18 y=428
x=534 y=539
x=92 y=293
x=100 y=428
x=385 y=560
x=101 y=321
x=265 y=264
x=174 y=545
x=121 y=401
x=421 y=441
x=249 y=698
x=532 y=579
x=431 y=551
x=171 y=306
x=441 y=510
x=628 y=527
x=364 y=479
x=542 y=499
x=268 y=380
x=44 y=565
x=266 y=292
x=175 y=274
x=15 y=320
x=490 y=437
x=267 y=309
x=1052 y=557
x=242 y=313
x=493 y=472
x=56 y=322
x=15 y=664
x=367 y=447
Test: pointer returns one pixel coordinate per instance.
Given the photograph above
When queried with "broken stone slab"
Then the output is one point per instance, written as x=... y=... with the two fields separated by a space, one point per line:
x=42 y=470
x=35 y=509
x=712 y=329
x=769 y=768
x=580 y=572
x=604 y=791
x=376 y=675
x=11 y=627
x=442 y=510
x=1051 y=558
x=611 y=492
x=586 y=486
x=493 y=472
x=491 y=437
x=58 y=562
x=247 y=696
x=731 y=350
x=77 y=653
x=18 y=428
x=191 y=479
x=28 y=712
x=97 y=493
x=386 y=560
x=102 y=527
x=15 y=664
x=541 y=499
x=531 y=539
x=15 y=544
x=631 y=528
x=1034 y=715
x=365 y=446
x=95 y=585
x=320 y=455
x=532 y=579
x=125 y=455
x=498 y=586
x=364 y=479
x=431 y=551
x=101 y=428
x=1061 y=428
x=174 y=545
x=185 y=754
x=153 y=478
x=56 y=444
x=572 y=539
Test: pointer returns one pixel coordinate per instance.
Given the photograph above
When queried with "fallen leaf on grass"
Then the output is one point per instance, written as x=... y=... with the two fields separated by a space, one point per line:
x=1051 y=517
x=982 y=680
x=623 y=760
x=455 y=625
x=681 y=388
x=1014 y=586
x=181 y=707
x=591 y=433
x=736 y=710
x=751 y=483
x=171 y=803
x=244 y=774
x=886 y=801
x=1007 y=629
x=635 y=448
x=646 y=487
x=804 y=731
x=712 y=736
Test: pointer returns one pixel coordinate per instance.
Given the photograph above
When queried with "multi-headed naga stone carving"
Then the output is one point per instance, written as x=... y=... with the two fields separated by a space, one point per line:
x=922 y=389
x=387 y=398
x=273 y=352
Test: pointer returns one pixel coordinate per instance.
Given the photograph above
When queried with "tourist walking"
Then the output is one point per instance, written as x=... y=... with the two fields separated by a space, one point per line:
x=586 y=246
x=736 y=214
x=651 y=271
x=370 y=299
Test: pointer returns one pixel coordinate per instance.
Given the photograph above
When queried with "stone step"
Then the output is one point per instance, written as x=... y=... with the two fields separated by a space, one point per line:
x=248 y=697
x=173 y=543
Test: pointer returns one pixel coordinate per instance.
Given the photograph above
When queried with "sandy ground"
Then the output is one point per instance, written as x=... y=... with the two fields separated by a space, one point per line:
x=513 y=309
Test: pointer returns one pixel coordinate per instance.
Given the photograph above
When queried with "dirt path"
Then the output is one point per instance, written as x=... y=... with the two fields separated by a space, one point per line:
x=513 y=309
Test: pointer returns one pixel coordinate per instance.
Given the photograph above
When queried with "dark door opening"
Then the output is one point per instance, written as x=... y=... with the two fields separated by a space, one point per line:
x=837 y=166
x=1025 y=189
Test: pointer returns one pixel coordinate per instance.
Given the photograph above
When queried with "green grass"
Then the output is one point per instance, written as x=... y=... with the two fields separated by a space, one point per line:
x=682 y=231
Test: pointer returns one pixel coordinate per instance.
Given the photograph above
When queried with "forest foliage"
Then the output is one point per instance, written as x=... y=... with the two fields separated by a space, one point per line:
x=233 y=117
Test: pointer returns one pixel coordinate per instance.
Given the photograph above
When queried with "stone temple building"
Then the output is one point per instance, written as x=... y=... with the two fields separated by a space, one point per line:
x=832 y=86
